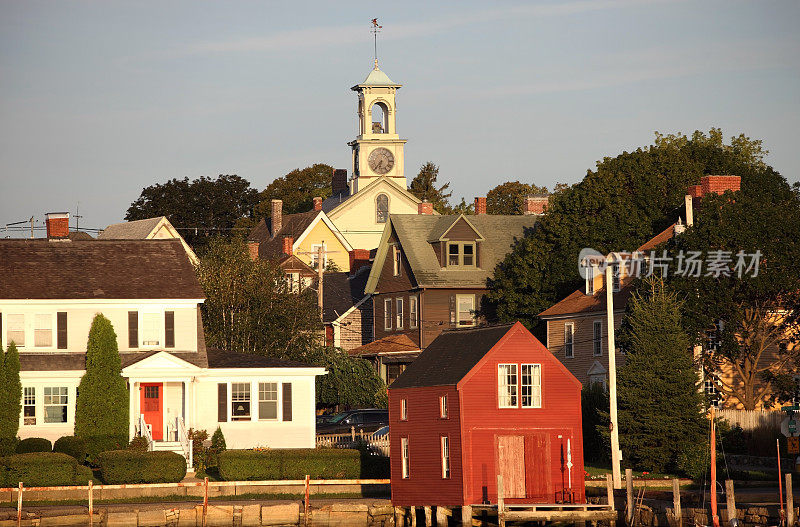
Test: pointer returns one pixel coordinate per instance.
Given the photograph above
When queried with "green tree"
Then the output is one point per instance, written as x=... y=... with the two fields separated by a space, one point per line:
x=618 y=206
x=10 y=398
x=754 y=318
x=249 y=307
x=594 y=405
x=660 y=410
x=508 y=197
x=200 y=208
x=297 y=190
x=463 y=208
x=424 y=187
x=351 y=382
x=101 y=415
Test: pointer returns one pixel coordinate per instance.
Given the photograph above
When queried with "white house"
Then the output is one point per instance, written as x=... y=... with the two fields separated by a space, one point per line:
x=50 y=292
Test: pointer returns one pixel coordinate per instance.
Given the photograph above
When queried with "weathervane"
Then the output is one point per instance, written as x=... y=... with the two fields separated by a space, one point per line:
x=375 y=30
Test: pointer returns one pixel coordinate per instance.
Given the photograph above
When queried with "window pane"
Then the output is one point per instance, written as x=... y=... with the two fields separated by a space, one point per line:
x=466 y=306
x=151 y=329
x=469 y=254
x=507 y=385
x=452 y=254
x=55 y=404
x=268 y=400
x=16 y=330
x=387 y=314
x=381 y=208
x=43 y=330
x=399 y=322
x=240 y=401
x=29 y=405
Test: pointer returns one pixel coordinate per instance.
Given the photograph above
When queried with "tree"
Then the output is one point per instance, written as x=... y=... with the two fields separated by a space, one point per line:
x=351 y=382
x=423 y=186
x=101 y=415
x=463 y=208
x=297 y=190
x=198 y=209
x=751 y=320
x=508 y=197
x=660 y=410
x=10 y=398
x=249 y=307
x=594 y=405
x=618 y=206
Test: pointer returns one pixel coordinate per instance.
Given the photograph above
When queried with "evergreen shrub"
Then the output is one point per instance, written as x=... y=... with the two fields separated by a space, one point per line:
x=72 y=446
x=38 y=469
x=34 y=444
x=252 y=465
x=125 y=466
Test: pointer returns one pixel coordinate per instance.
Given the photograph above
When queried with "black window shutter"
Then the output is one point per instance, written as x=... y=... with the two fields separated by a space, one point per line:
x=287 y=401
x=452 y=310
x=222 y=402
x=133 y=329
x=169 y=329
x=61 y=329
x=1 y=328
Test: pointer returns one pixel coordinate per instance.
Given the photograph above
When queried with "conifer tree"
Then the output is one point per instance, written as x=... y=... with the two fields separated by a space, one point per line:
x=10 y=398
x=101 y=417
x=660 y=408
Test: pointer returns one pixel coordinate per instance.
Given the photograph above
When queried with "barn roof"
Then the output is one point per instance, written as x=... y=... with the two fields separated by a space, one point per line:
x=450 y=357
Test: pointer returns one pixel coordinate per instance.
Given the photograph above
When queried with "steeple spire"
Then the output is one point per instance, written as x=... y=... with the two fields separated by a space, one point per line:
x=375 y=30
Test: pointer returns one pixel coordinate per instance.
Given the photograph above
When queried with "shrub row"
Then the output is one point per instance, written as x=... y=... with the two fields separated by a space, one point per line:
x=42 y=469
x=250 y=465
x=127 y=466
x=34 y=444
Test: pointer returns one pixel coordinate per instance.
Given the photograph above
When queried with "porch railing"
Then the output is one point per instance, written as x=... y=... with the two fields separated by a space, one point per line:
x=144 y=431
x=186 y=443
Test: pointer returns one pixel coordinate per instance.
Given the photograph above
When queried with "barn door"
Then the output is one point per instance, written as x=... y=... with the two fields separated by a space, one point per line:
x=511 y=464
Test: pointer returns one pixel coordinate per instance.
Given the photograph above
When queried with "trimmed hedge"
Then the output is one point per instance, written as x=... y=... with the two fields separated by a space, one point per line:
x=251 y=465
x=38 y=469
x=126 y=466
x=102 y=443
x=83 y=475
x=34 y=444
x=71 y=446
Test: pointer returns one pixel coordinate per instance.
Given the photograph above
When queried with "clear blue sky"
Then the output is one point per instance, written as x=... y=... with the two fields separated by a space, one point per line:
x=100 y=99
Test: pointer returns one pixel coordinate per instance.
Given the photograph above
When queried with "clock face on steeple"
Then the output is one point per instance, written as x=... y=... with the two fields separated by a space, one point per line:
x=380 y=161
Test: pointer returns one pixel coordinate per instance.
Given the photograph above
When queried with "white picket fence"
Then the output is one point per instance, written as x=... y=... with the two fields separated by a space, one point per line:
x=753 y=419
x=353 y=438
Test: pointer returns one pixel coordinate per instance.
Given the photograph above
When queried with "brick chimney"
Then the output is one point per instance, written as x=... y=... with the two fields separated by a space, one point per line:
x=480 y=205
x=317 y=203
x=252 y=249
x=425 y=207
x=277 y=216
x=57 y=225
x=719 y=184
x=288 y=242
x=535 y=204
x=339 y=181
x=358 y=258
x=695 y=191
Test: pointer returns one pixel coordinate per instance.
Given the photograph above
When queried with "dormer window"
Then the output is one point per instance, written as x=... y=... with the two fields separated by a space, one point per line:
x=461 y=254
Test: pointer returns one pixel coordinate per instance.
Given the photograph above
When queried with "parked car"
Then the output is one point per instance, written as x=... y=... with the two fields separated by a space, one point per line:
x=367 y=420
x=325 y=418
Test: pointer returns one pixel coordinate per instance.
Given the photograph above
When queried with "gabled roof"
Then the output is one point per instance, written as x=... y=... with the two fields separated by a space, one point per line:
x=398 y=343
x=80 y=236
x=450 y=357
x=97 y=269
x=130 y=230
x=446 y=223
x=414 y=230
x=343 y=201
x=294 y=225
x=340 y=292
x=229 y=359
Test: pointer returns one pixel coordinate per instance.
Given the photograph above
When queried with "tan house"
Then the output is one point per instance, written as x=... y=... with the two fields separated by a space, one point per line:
x=158 y=228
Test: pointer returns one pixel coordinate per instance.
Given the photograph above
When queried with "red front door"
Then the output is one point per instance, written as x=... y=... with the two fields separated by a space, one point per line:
x=152 y=405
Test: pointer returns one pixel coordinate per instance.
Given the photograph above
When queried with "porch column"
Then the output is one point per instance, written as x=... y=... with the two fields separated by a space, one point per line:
x=133 y=414
x=193 y=409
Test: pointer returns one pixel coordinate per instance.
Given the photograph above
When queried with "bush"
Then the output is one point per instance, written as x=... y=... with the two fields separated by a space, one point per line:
x=218 y=441
x=83 y=475
x=138 y=444
x=71 y=446
x=250 y=465
x=39 y=469
x=34 y=444
x=694 y=461
x=200 y=454
x=96 y=444
x=125 y=466
x=8 y=445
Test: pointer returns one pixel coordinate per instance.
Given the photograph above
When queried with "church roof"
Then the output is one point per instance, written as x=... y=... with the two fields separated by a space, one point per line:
x=377 y=77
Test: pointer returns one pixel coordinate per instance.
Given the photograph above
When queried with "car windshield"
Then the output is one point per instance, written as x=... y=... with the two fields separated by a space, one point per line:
x=337 y=418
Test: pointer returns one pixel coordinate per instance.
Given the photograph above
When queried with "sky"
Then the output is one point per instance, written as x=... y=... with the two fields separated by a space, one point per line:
x=101 y=99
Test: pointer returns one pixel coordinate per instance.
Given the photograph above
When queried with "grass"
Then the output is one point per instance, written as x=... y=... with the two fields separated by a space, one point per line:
x=598 y=471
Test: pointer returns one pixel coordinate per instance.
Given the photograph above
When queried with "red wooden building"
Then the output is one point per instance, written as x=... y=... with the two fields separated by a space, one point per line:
x=482 y=402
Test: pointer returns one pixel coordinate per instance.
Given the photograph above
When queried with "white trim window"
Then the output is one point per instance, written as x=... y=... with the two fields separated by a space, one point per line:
x=381 y=208
x=531 y=386
x=406 y=455
x=43 y=330
x=240 y=401
x=507 y=385
x=413 y=314
x=461 y=254
x=387 y=314
x=151 y=328
x=403 y=410
x=399 y=313
x=396 y=266
x=445 y=440
x=56 y=402
x=465 y=310
x=443 y=406
x=569 y=340
x=29 y=406
x=597 y=338
x=16 y=330
x=268 y=401
x=712 y=393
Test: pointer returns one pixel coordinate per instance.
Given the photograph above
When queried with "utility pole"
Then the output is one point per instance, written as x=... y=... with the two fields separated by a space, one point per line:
x=616 y=453
x=321 y=253
x=31 y=220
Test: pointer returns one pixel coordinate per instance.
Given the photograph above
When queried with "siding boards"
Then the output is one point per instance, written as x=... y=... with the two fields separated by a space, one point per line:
x=379 y=312
x=436 y=310
x=461 y=231
x=583 y=343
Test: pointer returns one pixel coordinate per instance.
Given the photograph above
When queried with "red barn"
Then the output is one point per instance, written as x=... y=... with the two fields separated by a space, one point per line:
x=482 y=402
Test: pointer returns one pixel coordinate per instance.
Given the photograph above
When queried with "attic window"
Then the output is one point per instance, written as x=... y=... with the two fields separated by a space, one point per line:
x=381 y=208
x=461 y=254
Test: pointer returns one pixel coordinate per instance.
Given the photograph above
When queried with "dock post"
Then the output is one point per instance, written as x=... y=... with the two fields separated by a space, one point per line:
x=399 y=516
x=731 y=500
x=428 y=517
x=629 y=486
x=676 y=502
x=610 y=491
x=413 y=511
x=91 y=504
x=501 y=503
x=306 y=505
x=441 y=516
x=19 y=505
x=466 y=515
x=789 y=500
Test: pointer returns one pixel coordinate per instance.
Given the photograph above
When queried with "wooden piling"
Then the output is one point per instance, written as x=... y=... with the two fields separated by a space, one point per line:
x=428 y=516
x=730 y=499
x=441 y=516
x=399 y=516
x=501 y=503
x=610 y=490
x=19 y=505
x=676 y=502
x=466 y=515
x=413 y=511
x=205 y=500
x=306 y=505
x=789 y=500
x=629 y=487
x=91 y=505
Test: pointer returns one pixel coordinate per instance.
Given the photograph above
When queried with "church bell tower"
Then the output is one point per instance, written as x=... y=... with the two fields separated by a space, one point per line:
x=377 y=149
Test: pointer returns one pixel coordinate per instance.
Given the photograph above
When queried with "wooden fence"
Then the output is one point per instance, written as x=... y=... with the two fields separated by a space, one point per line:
x=751 y=420
x=378 y=444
